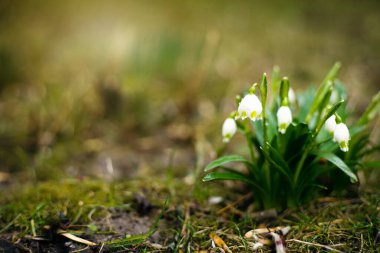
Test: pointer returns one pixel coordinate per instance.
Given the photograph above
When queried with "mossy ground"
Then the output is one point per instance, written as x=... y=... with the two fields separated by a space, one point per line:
x=121 y=216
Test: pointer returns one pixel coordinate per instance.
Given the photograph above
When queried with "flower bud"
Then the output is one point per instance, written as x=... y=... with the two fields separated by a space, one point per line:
x=251 y=107
x=342 y=136
x=284 y=118
x=330 y=124
x=228 y=129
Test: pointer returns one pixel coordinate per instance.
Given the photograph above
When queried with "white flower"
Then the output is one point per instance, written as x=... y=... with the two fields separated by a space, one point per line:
x=284 y=118
x=250 y=106
x=291 y=96
x=342 y=136
x=330 y=124
x=228 y=129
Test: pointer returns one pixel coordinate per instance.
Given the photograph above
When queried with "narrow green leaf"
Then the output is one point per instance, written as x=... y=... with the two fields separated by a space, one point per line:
x=278 y=166
x=226 y=176
x=371 y=110
x=339 y=163
x=275 y=80
x=372 y=164
x=264 y=87
x=226 y=159
x=277 y=157
x=326 y=99
x=331 y=75
x=322 y=90
x=230 y=176
x=284 y=91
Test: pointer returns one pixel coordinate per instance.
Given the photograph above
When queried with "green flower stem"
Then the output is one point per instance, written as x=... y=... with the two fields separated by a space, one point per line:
x=249 y=135
x=264 y=93
x=302 y=160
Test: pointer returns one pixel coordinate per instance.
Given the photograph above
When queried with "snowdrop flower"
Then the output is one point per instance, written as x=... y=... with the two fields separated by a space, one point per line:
x=284 y=118
x=228 y=129
x=330 y=124
x=292 y=96
x=250 y=106
x=342 y=136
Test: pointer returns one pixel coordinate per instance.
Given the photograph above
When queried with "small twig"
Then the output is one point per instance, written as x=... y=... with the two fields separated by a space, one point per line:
x=101 y=248
x=361 y=243
x=36 y=238
x=80 y=250
x=315 y=244
x=185 y=222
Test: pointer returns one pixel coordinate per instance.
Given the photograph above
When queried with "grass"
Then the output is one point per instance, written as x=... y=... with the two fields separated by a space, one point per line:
x=35 y=211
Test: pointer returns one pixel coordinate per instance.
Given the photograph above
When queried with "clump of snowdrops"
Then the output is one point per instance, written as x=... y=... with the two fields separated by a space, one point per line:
x=295 y=141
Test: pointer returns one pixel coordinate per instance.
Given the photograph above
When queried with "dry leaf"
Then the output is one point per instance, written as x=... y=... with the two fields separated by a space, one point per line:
x=75 y=238
x=219 y=242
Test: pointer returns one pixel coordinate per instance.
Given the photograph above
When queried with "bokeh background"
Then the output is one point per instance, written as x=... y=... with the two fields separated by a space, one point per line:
x=126 y=89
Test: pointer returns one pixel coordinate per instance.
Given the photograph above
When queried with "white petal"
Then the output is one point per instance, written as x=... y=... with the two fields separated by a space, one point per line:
x=228 y=129
x=250 y=106
x=330 y=124
x=284 y=118
x=342 y=136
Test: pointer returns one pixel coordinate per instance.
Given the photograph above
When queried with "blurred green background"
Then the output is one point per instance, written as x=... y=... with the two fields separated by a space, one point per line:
x=118 y=89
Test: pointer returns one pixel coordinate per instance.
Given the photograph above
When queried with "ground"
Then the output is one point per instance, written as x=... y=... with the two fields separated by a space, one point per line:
x=170 y=216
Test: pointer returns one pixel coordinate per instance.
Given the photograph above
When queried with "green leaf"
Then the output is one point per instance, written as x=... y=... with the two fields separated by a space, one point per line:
x=226 y=159
x=230 y=176
x=294 y=141
x=284 y=90
x=333 y=72
x=339 y=163
x=275 y=80
x=226 y=176
x=274 y=158
x=264 y=88
x=323 y=90
x=372 y=164
x=371 y=110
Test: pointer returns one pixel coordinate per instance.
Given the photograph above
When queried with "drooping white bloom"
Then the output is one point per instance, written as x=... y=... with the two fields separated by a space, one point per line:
x=330 y=124
x=284 y=118
x=342 y=136
x=291 y=96
x=251 y=107
x=228 y=129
